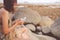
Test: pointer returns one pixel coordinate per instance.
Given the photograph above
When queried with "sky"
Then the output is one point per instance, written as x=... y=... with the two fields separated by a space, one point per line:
x=36 y=1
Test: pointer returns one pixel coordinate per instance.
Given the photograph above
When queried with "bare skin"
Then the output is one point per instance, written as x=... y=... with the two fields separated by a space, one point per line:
x=4 y=16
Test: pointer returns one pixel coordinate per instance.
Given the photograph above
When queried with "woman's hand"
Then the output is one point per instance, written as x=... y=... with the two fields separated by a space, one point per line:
x=18 y=22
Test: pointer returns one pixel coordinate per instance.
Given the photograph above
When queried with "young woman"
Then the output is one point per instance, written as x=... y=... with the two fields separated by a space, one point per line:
x=4 y=18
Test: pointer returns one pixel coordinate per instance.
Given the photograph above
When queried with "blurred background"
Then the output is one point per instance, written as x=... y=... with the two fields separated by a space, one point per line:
x=37 y=1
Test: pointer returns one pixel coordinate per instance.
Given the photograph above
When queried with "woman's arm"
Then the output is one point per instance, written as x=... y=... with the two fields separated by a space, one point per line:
x=5 y=21
x=5 y=18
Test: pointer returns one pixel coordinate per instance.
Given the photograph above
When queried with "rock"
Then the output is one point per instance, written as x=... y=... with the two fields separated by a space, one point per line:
x=40 y=33
x=31 y=15
x=55 y=28
x=44 y=37
x=31 y=27
x=45 y=30
x=34 y=36
x=39 y=28
x=46 y=21
x=28 y=35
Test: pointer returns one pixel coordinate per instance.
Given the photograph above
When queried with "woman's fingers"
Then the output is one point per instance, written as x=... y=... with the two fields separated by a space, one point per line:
x=18 y=21
x=21 y=22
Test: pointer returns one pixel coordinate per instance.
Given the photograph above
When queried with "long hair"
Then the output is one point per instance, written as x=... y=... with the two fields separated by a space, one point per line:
x=9 y=5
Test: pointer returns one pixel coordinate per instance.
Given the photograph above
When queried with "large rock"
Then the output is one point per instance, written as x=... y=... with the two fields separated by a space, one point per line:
x=45 y=24
x=31 y=27
x=46 y=21
x=34 y=36
x=44 y=37
x=28 y=35
x=45 y=29
x=55 y=28
x=31 y=15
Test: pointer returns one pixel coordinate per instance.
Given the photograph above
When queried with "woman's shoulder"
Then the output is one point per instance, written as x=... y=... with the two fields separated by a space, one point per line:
x=3 y=11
